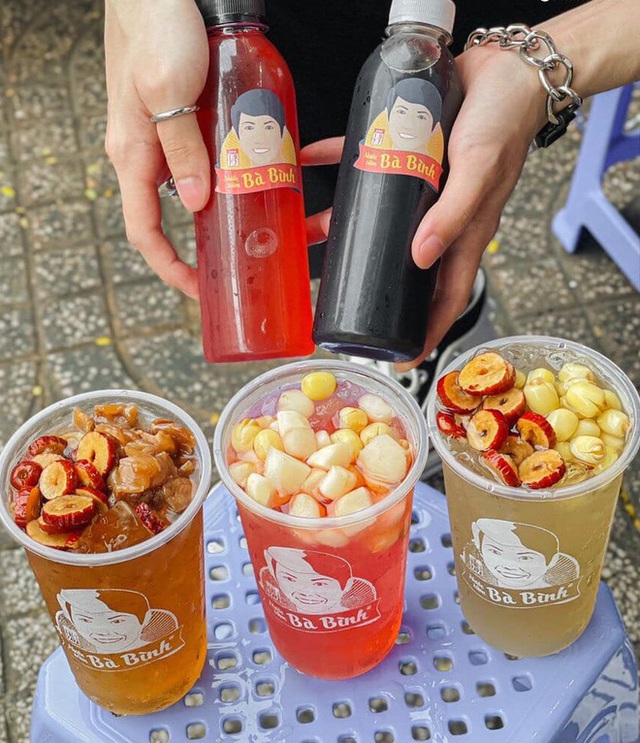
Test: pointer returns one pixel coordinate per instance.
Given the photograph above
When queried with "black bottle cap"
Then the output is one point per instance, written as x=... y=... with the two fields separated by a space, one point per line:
x=217 y=12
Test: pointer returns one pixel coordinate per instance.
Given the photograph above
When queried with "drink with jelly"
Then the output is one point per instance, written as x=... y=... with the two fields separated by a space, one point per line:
x=322 y=458
x=104 y=491
x=534 y=434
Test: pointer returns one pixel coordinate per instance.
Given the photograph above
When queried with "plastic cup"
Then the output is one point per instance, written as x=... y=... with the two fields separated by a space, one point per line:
x=332 y=588
x=528 y=562
x=131 y=622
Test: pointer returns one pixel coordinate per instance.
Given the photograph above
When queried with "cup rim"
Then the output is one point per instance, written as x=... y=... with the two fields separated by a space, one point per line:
x=602 y=363
x=326 y=522
x=137 y=550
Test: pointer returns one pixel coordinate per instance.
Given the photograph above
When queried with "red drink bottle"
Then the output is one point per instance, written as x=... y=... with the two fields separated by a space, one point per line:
x=251 y=240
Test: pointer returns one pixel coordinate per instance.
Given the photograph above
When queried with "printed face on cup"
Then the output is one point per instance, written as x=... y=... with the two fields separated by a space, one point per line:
x=410 y=125
x=111 y=629
x=316 y=591
x=518 y=564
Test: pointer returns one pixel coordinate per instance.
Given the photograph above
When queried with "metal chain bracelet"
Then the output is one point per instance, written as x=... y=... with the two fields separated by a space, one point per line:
x=521 y=37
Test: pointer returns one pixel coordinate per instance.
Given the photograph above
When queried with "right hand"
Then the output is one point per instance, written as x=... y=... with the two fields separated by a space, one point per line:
x=157 y=59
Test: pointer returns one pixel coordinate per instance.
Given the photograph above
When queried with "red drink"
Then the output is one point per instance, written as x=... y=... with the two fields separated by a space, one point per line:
x=324 y=482
x=251 y=237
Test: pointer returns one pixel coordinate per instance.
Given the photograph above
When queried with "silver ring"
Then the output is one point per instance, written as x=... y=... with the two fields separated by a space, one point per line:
x=166 y=115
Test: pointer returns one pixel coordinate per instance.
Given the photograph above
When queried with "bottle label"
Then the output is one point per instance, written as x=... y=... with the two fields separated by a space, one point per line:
x=258 y=152
x=406 y=137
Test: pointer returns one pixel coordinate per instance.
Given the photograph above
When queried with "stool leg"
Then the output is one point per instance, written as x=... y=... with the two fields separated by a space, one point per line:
x=604 y=144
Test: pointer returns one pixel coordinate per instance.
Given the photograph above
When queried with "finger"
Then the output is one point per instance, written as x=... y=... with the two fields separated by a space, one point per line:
x=143 y=220
x=187 y=158
x=464 y=195
x=318 y=227
x=323 y=152
x=456 y=274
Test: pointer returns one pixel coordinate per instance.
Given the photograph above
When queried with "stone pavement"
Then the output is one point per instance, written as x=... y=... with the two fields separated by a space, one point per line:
x=80 y=310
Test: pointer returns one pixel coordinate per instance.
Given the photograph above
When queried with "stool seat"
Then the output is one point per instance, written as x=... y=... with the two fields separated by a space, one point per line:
x=440 y=682
x=604 y=144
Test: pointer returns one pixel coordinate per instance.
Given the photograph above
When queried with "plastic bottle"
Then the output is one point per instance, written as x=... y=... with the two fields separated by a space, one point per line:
x=373 y=299
x=251 y=240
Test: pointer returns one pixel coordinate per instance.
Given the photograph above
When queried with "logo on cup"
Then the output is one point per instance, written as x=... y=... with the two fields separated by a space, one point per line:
x=519 y=565
x=316 y=591
x=114 y=629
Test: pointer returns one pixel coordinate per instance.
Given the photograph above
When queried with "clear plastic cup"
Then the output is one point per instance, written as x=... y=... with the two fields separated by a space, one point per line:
x=131 y=622
x=332 y=588
x=528 y=562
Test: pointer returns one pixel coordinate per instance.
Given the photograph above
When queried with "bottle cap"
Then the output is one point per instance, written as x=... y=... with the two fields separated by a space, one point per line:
x=217 y=12
x=439 y=13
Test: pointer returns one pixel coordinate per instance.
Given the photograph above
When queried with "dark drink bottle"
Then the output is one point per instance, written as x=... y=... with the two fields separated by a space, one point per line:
x=250 y=237
x=373 y=299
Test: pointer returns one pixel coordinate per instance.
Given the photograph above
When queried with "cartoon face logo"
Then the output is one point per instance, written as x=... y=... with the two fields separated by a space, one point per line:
x=258 y=119
x=313 y=582
x=514 y=555
x=413 y=110
x=110 y=620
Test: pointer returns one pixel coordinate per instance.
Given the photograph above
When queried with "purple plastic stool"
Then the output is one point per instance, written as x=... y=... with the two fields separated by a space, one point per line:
x=440 y=682
x=605 y=143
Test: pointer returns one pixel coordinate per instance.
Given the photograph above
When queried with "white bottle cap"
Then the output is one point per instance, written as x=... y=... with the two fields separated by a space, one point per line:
x=439 y=13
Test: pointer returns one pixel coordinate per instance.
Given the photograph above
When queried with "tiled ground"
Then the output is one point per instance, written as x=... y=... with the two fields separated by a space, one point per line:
x=68 y=322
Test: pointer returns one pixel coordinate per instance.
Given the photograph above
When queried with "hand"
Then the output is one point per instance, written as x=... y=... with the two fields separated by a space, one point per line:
x=502 y=111
x=323 y=152
x=156 y=59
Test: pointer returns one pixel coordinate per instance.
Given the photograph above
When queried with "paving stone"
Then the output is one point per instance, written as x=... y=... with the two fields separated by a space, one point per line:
x=13 y=282
x=41 y=101
x=4 y=147
x=123 y=262
x=11 y=235
x=144 y=306
x=593 y=276
x=93 y=129
x=570 y=324
x=42 y=181
x=184 y=241
x=17 y=381
x=87 y=368
x=109 y=219
x=28 y=644
x=617 y=325
x=622 y=572
x=525 y=288
x=59 y=273
x=173 y=213
x=8 y=193
x=39 y=139
x=74 y=320
x=60 y=224
x=100 y=174
x=173 y=364
x=18 y=714
x=43 y=52
x=16 y=333
x=3 y=726
x=18 y=587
